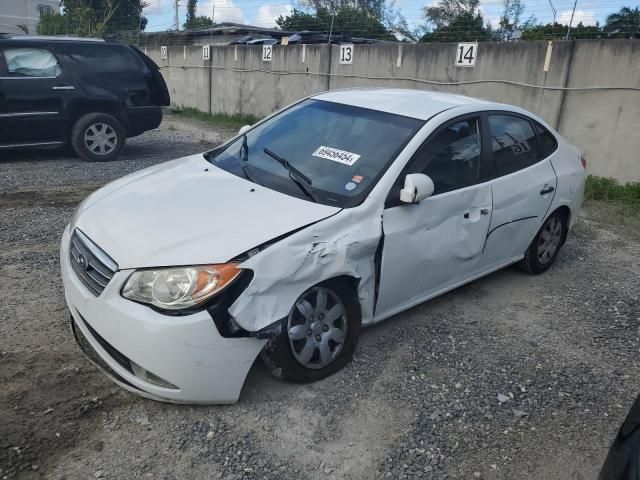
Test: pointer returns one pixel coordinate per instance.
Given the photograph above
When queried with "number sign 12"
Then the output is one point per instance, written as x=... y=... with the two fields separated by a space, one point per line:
x=346 y=54
x=466 y=54
x=267 y=53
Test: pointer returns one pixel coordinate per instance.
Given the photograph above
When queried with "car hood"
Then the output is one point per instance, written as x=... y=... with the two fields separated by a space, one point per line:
x=188 y=212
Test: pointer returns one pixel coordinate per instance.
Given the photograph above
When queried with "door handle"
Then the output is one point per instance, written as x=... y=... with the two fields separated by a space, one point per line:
x=484 y=211
x=546 y=190
x=63 y=87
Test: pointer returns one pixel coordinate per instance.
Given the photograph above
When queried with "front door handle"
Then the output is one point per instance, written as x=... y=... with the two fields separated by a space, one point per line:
x=63 y=87
x=483 y=211
x=546 y=190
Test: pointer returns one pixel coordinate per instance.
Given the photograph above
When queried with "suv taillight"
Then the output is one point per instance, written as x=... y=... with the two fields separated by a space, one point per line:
x=583 y=161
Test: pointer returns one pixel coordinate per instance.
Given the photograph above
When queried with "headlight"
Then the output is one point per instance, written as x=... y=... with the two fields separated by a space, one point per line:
x=177 y=288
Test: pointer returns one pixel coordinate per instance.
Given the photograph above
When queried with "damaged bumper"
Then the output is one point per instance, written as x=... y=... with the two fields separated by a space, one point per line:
x=181 y=359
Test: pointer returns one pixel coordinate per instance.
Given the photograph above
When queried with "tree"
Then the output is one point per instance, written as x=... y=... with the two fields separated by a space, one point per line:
x=510 y=20
x=454 y=21
x=95 y=18
x=348 y=21
x=558 y=31
x=193 y=20
x=624 y=23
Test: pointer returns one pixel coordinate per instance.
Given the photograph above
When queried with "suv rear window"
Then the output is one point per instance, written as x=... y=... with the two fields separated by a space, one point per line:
x=100 y=59
x=548 y=143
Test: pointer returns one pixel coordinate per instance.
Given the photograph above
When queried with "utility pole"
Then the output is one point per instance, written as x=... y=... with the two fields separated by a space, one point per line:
x=213 y=13
x=571 y=21
x=177 y=19
x=553 y=25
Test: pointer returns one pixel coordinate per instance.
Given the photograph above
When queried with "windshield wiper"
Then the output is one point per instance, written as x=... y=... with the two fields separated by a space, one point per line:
x=245 y=160
x=294 y=174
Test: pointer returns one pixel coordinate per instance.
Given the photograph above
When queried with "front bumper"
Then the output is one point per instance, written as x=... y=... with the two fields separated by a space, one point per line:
x=185 y=351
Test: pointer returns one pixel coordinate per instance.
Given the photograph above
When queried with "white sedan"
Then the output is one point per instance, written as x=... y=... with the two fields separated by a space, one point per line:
x=339 y=211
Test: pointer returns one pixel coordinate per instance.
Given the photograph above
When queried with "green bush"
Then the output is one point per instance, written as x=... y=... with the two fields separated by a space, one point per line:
x=610 y=190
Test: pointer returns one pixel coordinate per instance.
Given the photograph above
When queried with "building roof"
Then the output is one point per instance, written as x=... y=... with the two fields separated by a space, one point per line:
x=421 y=104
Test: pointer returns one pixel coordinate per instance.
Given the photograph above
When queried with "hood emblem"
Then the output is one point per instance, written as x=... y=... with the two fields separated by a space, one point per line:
x=83 y=262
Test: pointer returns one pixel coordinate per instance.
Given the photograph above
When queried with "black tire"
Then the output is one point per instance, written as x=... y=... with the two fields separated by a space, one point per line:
x=533 y=263
x=101 y=126
x=278 y=355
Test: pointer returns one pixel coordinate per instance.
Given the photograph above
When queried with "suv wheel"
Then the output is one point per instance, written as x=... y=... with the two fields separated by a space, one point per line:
x=318 y=336
x=98 y=137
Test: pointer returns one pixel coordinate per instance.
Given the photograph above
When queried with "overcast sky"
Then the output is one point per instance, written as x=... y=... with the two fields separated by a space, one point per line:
x=264 y=13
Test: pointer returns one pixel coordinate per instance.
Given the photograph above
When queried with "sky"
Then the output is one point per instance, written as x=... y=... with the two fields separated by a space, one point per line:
x=264 y=12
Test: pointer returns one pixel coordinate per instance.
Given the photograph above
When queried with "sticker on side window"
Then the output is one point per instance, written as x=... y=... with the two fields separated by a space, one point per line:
x=340 y=156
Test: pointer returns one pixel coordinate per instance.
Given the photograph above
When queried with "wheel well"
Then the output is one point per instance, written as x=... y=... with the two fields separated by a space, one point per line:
x=566 y=213
x=80 y=109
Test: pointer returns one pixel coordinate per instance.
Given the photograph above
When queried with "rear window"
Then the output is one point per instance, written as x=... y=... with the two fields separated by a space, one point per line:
x=514 y=143
x=104 y=59
x=548 y=143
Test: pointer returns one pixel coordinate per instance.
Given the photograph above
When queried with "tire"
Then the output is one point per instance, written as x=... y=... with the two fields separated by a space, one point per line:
x=108 y=136
x=285 y=354
x=546 y=245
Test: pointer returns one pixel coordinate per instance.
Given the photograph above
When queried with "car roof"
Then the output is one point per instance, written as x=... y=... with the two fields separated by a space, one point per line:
x=421 y=104
x=46 y=38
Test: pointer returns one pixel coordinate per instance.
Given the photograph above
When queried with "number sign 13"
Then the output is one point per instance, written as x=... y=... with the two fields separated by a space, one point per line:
x=466 y=54
x=267 y=53
x=346 y=54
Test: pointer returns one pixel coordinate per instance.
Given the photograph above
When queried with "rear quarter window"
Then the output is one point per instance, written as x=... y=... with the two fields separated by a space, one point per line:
x=547 y=141
x=104 y=59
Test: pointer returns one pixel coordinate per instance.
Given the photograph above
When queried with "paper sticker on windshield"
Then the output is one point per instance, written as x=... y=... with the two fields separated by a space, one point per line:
x=340 y=156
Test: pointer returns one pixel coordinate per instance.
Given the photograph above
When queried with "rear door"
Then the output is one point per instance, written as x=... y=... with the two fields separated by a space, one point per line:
x=523 y=187
x=35 y=91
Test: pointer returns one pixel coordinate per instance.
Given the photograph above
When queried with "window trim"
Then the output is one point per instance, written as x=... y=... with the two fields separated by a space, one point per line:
x=4 y=70
x=486 y=167
x=508 y=113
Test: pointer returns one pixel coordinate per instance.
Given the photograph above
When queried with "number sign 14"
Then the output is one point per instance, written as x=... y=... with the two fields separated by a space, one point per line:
x=466 y=54
x=267 y=53
x=346 y=54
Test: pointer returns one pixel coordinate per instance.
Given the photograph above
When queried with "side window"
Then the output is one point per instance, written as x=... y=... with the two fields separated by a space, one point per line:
x=513 y=142
x=452 y=157
x=100 y=59
x=548 y=143
x=31 y=62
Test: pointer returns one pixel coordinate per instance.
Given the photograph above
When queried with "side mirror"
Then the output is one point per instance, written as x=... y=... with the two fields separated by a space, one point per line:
x=244 y=129
x=417 y=187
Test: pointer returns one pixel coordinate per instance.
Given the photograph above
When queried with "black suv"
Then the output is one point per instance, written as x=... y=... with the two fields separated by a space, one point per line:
x=88 y=93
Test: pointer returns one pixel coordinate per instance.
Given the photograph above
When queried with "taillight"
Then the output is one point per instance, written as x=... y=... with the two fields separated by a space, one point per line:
x=583 y=161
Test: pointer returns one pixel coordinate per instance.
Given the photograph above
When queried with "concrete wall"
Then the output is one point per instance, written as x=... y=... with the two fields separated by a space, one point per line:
x=603 y=123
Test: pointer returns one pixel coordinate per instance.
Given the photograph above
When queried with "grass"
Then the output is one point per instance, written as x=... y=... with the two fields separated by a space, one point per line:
x=611 y=191
x=222 y=120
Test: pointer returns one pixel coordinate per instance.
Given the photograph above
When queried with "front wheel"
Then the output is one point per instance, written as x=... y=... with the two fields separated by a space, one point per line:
x=546 y=245
x=98 y=137
x=318 y=336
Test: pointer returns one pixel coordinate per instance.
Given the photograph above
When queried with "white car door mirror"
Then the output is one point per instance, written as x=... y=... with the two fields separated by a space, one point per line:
x=417 y=187
x=244 y=129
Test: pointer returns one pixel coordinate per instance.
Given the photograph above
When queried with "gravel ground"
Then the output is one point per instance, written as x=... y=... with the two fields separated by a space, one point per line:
x=511 y=376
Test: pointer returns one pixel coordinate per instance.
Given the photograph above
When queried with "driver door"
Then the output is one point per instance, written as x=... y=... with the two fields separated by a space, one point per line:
x=438 y=243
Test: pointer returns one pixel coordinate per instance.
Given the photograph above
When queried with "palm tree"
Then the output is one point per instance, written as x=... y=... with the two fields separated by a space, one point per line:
x=623 y=23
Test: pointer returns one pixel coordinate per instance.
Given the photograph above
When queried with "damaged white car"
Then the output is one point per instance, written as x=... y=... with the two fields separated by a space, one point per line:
x=339 y=211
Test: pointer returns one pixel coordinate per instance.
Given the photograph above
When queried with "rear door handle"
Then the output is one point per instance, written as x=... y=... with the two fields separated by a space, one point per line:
x=63 y=87
x=483 y=211
x=546 y=190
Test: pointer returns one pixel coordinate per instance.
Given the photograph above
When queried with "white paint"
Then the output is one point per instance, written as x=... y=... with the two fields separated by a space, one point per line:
x=547 y=58
x=304 y=52
x=179 y=214
x=163 y=52
x=399 y=60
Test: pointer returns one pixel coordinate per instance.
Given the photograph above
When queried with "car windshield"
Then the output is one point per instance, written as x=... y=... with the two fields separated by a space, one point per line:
x=343 y=150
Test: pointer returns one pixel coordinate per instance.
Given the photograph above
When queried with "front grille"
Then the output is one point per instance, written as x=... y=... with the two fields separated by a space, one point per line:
x=92 y=266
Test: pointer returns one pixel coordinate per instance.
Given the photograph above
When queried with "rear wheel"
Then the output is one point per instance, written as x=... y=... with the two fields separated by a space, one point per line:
x=98 y=137
x=546 y=245
x=318 y=336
